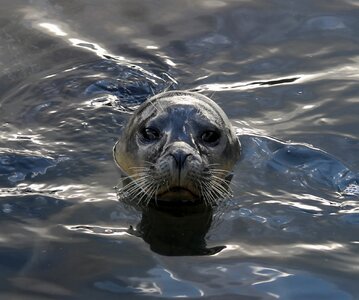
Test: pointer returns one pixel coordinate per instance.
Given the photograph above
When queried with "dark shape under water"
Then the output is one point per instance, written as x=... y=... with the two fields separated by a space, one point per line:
x=176 y=230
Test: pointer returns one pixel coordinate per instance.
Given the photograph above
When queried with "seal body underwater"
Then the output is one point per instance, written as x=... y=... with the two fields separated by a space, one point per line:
x=178 y=146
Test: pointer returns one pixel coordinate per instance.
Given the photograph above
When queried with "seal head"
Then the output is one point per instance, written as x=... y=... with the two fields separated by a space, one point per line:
x=178 y=146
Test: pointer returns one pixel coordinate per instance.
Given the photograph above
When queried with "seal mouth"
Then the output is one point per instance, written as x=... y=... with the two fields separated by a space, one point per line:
x=178 y=193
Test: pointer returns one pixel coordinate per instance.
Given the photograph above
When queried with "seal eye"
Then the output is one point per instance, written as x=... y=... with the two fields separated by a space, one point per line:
x=210 y=137
x=150 y=134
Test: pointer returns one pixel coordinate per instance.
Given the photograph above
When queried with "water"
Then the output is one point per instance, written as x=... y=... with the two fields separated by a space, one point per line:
x=286 y=74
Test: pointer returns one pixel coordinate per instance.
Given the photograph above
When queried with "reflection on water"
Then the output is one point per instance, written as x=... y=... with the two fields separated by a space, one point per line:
x=285 y=73
x=177 y=232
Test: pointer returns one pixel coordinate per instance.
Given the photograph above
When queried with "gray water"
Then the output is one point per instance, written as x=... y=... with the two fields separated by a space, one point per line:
x=285 y=72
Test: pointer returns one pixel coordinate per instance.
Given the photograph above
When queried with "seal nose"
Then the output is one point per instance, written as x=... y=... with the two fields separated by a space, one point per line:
x=180 y=156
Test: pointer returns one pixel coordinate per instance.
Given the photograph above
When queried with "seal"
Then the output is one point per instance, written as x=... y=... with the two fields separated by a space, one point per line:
x=178 y=146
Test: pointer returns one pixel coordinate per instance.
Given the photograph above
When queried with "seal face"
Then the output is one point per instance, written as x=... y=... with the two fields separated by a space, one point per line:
x=178 y=146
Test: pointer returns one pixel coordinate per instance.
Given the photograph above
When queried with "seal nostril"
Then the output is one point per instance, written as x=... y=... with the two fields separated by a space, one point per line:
x=180 y=158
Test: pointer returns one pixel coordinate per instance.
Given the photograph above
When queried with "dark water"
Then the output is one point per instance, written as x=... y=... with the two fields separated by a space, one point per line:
x=285 y=72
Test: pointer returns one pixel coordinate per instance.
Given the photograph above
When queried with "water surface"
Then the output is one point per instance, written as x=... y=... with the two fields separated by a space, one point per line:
x=285 y=72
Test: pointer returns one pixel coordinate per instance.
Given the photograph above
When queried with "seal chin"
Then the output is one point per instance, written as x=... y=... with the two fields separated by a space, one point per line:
x=178 y=194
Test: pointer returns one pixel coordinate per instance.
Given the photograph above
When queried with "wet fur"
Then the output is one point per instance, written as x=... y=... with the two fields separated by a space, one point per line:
x=149 y=172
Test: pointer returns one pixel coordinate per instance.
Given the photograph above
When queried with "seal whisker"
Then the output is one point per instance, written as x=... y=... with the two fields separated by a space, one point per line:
x=134 y=184
x=220 y=190
x=138 y=180
x=136 y=187
x=202 y=190
x=204 y=194
x=149 y=193
x=223 y=184
x=133 y=190
x=219 y=171
x=145 y=194
x=223 y=181
x=219 y=187
x=213 y=165
x=156 y=193
x=219 y=174
x=211 y=200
